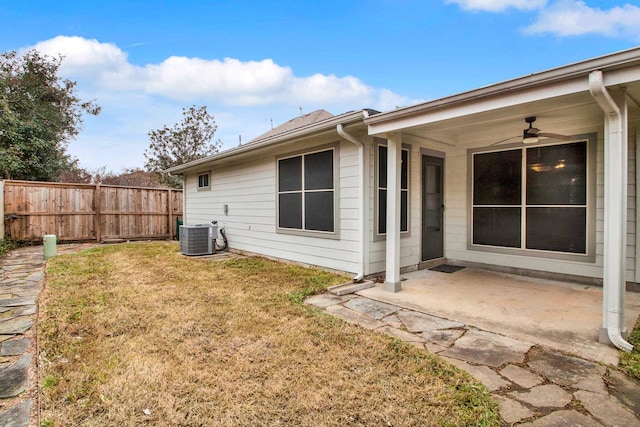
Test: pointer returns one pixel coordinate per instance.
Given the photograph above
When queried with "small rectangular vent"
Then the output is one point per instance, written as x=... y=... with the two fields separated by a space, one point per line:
x=198 y=239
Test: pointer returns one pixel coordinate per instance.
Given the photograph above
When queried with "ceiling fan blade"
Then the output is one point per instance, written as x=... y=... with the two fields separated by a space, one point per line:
x=505 y=140
x=553 y=135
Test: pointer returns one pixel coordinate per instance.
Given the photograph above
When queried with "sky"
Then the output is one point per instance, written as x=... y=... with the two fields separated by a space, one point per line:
x=258 y=63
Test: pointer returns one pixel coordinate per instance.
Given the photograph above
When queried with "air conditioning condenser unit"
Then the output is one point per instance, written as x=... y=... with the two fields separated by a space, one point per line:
x=198 y=239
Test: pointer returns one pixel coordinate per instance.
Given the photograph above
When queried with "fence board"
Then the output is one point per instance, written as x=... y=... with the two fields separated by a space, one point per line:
x=75 y=212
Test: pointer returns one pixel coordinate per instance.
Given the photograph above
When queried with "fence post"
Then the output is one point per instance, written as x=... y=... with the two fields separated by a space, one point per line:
x=98 y=207
x=2 y=208
x=170 y=207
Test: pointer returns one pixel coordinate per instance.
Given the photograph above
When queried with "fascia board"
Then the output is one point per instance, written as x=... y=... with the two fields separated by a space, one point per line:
x=622 y=76
x=472 y=106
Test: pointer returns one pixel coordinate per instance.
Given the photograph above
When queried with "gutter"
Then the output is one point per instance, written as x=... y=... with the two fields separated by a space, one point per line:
x=363 y=209
x=613 y=280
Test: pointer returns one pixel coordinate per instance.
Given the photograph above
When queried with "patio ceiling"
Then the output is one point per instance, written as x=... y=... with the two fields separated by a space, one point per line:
x=560 y=98
x=568 y=114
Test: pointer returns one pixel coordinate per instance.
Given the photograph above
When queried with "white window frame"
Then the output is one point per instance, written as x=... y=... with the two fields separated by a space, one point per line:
x=590 y=231
x=379 y=142
x=201 y=177
x=336 y=208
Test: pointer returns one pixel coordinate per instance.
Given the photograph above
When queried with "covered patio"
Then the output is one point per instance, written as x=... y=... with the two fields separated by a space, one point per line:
x=558 y=198
x=559 y=315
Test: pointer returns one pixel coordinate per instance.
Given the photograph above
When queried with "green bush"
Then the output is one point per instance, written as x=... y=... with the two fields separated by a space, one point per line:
x=6 y=245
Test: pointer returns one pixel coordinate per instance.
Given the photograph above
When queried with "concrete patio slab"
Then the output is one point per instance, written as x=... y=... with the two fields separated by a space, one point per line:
x=558 y=315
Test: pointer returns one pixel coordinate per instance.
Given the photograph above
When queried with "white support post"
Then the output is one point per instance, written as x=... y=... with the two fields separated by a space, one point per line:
x=394 y=167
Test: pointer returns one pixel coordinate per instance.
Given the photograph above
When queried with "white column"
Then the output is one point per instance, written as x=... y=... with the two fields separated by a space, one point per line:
x=394 y=168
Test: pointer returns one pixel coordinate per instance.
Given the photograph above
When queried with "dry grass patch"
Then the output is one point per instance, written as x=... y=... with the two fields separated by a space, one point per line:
x=141 y=335
x=630 y=362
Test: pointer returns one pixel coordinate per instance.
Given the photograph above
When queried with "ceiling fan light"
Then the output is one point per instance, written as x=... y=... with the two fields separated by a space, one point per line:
x=530 y=139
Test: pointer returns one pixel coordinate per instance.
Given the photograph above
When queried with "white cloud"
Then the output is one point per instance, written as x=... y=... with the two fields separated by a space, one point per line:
x=83 y=55
x=498 y=5
x=574 y=17
x=244 y=96
x=323 y=89
x=228 y=81
x=235 y=81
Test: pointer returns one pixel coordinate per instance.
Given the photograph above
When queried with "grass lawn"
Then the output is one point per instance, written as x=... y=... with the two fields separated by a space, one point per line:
x=138 y=334
x=630 y=362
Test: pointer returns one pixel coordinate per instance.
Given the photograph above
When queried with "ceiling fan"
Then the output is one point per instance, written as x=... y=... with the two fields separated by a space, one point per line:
x=532 y=135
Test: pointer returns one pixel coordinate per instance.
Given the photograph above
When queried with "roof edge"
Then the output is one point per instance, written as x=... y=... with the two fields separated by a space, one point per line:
x=610 y=61
x=345 y=118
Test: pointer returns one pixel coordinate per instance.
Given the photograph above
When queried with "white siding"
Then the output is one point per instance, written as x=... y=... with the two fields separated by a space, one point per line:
x=249 y=190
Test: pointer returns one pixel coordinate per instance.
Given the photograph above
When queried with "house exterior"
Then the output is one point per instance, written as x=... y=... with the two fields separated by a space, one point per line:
x=535 y=175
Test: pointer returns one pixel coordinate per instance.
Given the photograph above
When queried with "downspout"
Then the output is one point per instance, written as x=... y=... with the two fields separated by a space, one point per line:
x=613 y=280
x=361 y=178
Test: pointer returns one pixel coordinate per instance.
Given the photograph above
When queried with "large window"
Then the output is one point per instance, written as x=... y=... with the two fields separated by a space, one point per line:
x=531 y=198
x=306 y=194
x=381 y=188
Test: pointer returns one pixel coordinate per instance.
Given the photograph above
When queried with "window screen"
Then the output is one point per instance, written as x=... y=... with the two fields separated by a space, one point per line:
x=382 y=190
x=306 y=196
x=203 y=180
x=549 y=205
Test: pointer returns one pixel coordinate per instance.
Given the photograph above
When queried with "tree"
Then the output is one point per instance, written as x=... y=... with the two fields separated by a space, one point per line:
x=39 y=114
x=185 y=141
x=76 y=174
x=128 y=177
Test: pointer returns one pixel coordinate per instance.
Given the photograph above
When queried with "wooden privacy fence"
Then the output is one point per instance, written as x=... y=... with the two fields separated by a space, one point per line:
x=87 y=211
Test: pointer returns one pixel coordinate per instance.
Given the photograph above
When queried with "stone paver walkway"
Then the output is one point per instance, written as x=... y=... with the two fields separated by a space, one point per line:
x=533 y=385
x=21 y=280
